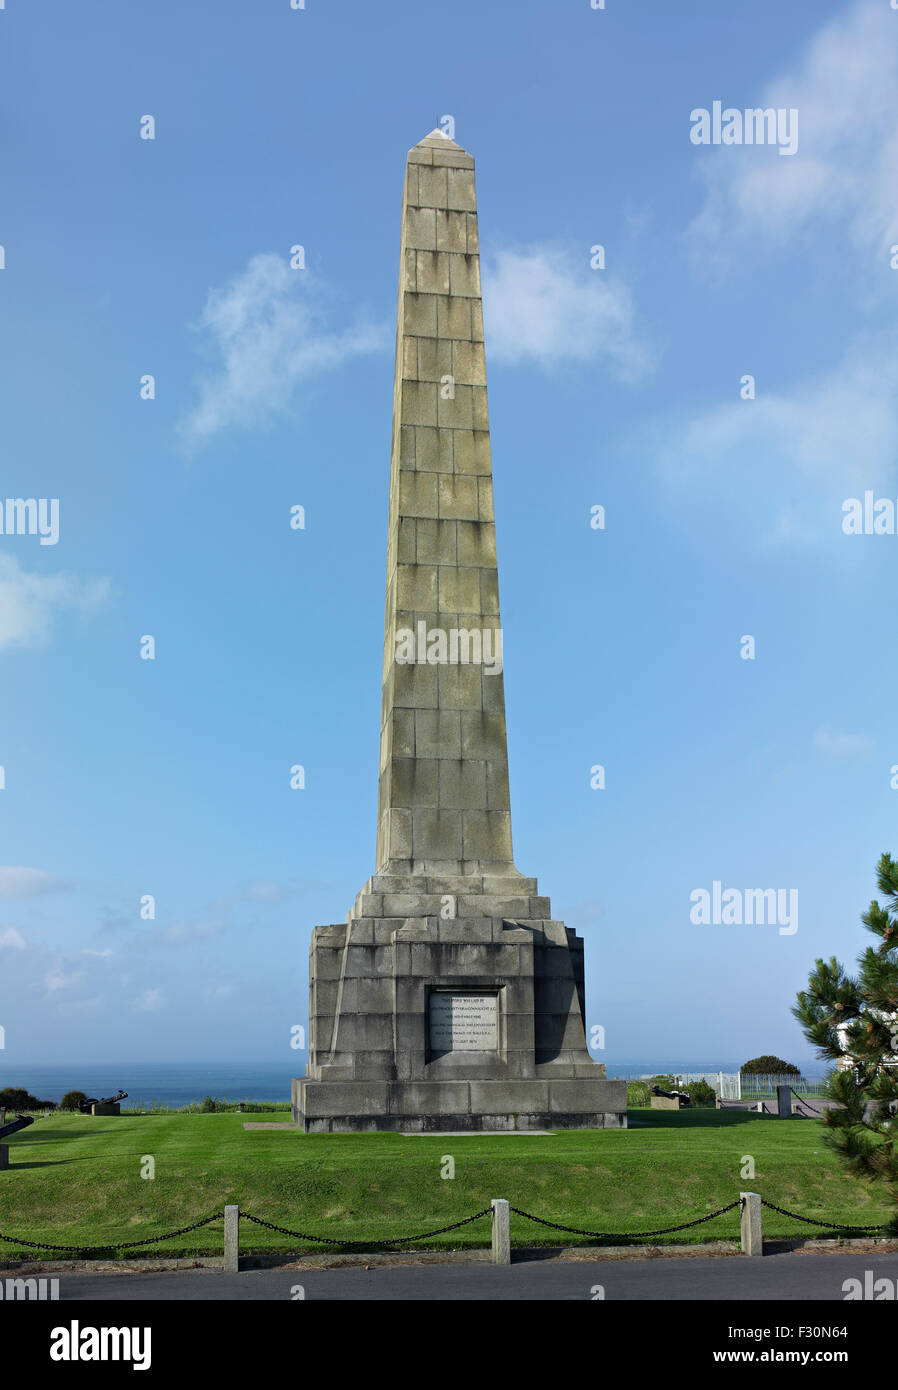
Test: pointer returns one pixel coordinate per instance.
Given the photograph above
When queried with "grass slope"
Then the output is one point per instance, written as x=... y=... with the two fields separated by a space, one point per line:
x=76 y=1179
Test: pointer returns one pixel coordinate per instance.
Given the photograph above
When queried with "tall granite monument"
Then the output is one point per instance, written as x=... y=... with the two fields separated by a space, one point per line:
x=449 y=999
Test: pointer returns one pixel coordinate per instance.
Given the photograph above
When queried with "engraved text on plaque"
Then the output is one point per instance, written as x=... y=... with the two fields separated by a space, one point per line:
x=463 y=1022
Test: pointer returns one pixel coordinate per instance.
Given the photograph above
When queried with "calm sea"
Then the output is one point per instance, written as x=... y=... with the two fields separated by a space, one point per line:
x=169 y=1083
x=181 y=1083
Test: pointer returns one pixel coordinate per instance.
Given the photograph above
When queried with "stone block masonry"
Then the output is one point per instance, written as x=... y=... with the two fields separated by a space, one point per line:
x=449 y=999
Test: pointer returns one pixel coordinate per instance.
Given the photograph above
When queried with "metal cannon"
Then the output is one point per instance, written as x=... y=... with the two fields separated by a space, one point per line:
x=682 y=1096
x=86 y=1106
x=13 y=1126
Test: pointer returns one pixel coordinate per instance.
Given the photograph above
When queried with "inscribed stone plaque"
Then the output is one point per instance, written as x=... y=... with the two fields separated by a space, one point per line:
x=464 y=1022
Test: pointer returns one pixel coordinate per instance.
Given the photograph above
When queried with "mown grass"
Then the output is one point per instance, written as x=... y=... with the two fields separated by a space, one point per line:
x=76 y=1180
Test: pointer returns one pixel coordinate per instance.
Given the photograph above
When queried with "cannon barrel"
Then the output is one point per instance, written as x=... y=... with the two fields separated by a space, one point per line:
x=671 y=1095
x=13 y=1127
x=85 y=1106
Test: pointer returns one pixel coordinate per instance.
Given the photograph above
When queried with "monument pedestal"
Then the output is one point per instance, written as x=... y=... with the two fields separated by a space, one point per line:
x=450 y=1023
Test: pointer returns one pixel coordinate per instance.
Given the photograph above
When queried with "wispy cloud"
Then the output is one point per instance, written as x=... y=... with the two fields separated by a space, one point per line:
x=29 y=601
x=149 y=1001
x=845 y=88
x=219 y=916
x=58 y=978
x=546 y=306
x=791 y=456
x=29 y=883
x=12 y=939
x=266 y=891
x=268 y=329
x=835 y=745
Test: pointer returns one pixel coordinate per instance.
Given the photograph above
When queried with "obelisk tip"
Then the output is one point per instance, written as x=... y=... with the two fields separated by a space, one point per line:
x=438 y=140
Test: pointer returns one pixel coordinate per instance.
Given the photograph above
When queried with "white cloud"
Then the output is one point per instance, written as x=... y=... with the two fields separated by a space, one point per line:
x=29 y=602
x=795 y=455
x=547 y=306
x=28 y=883
x=219 y=915
x=835 y=745
x=845 y=89
x=223 y=991
x=263 y=890
x=13 y=939
x=267 y=326
x=149 y=1001
x=58 y=978
x=197 y=929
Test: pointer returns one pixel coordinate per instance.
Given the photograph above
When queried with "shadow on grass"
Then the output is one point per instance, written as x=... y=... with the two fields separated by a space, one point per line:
x=701 y=1118
x=54 y=1136
x=47 y=1162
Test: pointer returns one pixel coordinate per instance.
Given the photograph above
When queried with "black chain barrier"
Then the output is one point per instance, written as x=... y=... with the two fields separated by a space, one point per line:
x=399 y=1240
x=815 y=1114
x=111 y=1245
x=625 y=1235
x=426 y=1235
x=811 y=1221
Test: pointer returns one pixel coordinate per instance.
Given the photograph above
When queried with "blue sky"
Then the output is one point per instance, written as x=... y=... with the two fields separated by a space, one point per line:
x=619 y=387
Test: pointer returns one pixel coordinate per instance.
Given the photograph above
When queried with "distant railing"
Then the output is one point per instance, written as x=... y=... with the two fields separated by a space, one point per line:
x=757 y=1084
x=747 y=1085
x=725 y=1084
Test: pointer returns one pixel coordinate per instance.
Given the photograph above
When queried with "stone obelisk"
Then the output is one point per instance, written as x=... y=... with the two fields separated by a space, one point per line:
x=449 y=998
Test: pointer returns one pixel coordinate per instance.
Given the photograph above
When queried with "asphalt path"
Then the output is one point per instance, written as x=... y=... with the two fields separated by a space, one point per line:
x=791 y=1276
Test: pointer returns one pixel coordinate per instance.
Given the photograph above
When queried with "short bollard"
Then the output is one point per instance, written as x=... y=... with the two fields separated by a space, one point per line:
x=231 y=1240
x=501 y=1232
x=752 y=1239
x=4 y=1156
x=784 y=1102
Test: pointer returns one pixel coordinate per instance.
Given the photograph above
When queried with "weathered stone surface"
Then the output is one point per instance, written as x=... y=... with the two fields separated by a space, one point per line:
x=449 y=1000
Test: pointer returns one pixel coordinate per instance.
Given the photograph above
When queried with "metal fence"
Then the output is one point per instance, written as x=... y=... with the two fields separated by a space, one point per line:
x=755 y=1085
x=741 y=1085
x=726 y=1084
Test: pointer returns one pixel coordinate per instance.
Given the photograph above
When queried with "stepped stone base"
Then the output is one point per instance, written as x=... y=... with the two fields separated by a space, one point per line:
x=420 y=1106
x=471 y=1021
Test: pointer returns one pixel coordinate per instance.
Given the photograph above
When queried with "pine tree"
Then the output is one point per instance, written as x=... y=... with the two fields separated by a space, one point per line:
x=856 y=1021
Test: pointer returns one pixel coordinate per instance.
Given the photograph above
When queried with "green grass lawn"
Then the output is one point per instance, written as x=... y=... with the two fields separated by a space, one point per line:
x=76 y=1179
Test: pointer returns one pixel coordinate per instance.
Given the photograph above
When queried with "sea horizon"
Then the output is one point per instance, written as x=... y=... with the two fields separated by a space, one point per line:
x=185 y=1083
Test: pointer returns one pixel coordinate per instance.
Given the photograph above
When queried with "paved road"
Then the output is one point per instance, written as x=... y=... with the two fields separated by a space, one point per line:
x=788 y=1277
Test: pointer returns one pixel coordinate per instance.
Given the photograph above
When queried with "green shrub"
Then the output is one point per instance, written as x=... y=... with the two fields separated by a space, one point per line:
x=769 y=1066
x=72 y=1099
x=700 y=1093
x=17 y=1098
